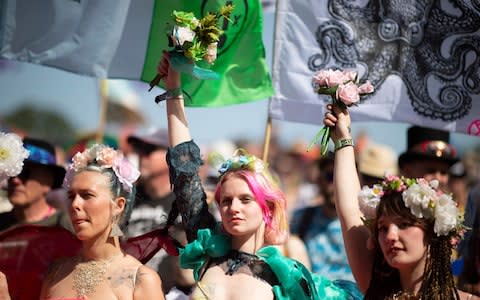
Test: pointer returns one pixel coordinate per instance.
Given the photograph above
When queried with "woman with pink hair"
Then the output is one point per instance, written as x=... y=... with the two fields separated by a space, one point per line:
x=236 y=257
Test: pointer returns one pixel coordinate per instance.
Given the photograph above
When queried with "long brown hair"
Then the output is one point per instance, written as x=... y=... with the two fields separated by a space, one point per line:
x=437 y=282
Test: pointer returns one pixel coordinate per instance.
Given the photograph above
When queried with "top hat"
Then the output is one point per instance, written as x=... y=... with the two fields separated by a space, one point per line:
x=428 y=144
x=42 y=153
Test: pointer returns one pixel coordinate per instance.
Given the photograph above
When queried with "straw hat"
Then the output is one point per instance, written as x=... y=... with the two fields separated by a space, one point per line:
x=377 y=160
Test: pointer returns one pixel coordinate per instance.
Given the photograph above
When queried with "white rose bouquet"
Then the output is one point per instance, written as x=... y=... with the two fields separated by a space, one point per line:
x=344 y=89
x=194 y=40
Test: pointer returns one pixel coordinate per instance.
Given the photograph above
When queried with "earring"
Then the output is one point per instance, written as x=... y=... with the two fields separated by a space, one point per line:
x=116 y=231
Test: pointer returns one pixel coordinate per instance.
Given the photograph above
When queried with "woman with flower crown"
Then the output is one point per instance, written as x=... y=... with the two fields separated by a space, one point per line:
x=399 y=233
x=101 y=193
x=234 y=259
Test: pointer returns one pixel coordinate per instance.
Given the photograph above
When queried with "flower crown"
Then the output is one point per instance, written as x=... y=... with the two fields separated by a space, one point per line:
x=241 y=160
x=423 y=198
x=105 y=157
x=12 y=154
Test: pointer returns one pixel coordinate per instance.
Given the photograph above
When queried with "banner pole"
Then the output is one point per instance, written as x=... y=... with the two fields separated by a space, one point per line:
x=103 y=110
x=268 y=127
x=266 y=143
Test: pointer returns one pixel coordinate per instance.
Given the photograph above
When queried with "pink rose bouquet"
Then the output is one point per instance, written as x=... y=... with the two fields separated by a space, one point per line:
x=344 y=89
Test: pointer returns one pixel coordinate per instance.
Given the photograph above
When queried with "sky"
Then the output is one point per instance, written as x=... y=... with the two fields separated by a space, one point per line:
x=77 y=97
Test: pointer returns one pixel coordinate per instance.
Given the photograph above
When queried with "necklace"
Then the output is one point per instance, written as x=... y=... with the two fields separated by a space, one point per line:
x=88 y=275
x=402 y=295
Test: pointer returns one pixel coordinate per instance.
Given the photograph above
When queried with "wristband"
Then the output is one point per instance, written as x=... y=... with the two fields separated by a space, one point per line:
x=342 y=143
x=174 y=93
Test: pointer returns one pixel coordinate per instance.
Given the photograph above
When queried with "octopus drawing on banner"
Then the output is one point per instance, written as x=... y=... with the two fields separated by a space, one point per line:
x=427 y=43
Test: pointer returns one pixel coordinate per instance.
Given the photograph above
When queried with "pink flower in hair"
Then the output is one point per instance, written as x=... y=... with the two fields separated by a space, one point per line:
x=80 y=160
x=127 y=174
x=106 y=157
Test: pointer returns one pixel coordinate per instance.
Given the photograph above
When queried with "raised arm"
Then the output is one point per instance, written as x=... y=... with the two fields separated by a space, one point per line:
x=183 y=158
x=178 y=131
x=347 y=187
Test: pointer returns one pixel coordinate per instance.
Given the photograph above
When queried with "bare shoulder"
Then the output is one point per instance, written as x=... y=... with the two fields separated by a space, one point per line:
x=148 y=284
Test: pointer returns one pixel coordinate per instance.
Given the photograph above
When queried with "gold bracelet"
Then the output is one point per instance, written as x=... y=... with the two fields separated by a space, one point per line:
x=342 y=143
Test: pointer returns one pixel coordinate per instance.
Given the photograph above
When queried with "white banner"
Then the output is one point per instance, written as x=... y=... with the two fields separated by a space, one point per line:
x=423 y=57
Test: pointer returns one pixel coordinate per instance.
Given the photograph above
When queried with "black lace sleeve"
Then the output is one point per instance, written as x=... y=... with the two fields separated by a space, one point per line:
x=184 y=161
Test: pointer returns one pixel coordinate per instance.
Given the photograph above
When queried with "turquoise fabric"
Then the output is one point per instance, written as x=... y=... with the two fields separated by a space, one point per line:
x=292 y=275
x=195 y=254
x=182 y=64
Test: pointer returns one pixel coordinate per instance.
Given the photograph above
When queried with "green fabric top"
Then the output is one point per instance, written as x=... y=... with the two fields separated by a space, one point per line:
x=291 y=274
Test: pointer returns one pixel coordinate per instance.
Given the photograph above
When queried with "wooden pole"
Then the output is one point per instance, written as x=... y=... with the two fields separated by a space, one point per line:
x=266 y=142
x=268 y=128
x=103 y=110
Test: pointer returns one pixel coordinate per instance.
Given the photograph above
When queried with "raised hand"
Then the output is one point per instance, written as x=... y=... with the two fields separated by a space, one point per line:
x=338 y=119
x=169 y=75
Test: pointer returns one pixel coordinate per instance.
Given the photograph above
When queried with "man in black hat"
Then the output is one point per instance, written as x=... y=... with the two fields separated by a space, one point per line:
x=429 y=155
x=153 y=203
x=27 y=191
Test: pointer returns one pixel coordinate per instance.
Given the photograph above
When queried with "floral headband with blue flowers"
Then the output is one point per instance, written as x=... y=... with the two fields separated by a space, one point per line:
x=240 y=160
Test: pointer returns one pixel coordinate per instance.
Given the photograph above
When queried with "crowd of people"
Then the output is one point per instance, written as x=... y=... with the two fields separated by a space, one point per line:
x=353 y=224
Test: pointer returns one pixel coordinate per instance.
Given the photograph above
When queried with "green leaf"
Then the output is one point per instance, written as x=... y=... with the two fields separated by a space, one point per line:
x=323 y=135
x=327 y=91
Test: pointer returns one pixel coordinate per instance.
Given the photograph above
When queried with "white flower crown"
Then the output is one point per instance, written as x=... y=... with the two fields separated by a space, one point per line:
x=423 y=198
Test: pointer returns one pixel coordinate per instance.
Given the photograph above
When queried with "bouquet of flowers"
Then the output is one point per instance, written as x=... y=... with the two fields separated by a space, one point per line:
x=12 y=154
x=345 y=91
x=194 y=40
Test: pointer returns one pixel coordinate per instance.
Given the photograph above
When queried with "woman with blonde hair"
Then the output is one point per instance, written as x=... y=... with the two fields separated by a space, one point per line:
x=234 y=259
x=100 y=187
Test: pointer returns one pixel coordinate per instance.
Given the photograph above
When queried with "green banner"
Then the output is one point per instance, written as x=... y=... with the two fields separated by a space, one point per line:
x=244 y=75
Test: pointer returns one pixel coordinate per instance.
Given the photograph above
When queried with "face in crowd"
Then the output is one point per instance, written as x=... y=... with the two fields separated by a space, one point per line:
x=93 y=208
x=30 y=186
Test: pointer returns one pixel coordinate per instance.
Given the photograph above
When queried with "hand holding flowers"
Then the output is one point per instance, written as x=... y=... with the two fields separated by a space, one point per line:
x=194 y=40
x=343 y=88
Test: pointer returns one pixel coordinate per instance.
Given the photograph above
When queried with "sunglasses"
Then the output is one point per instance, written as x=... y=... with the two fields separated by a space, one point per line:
x=24 y=175
x=145 y=149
